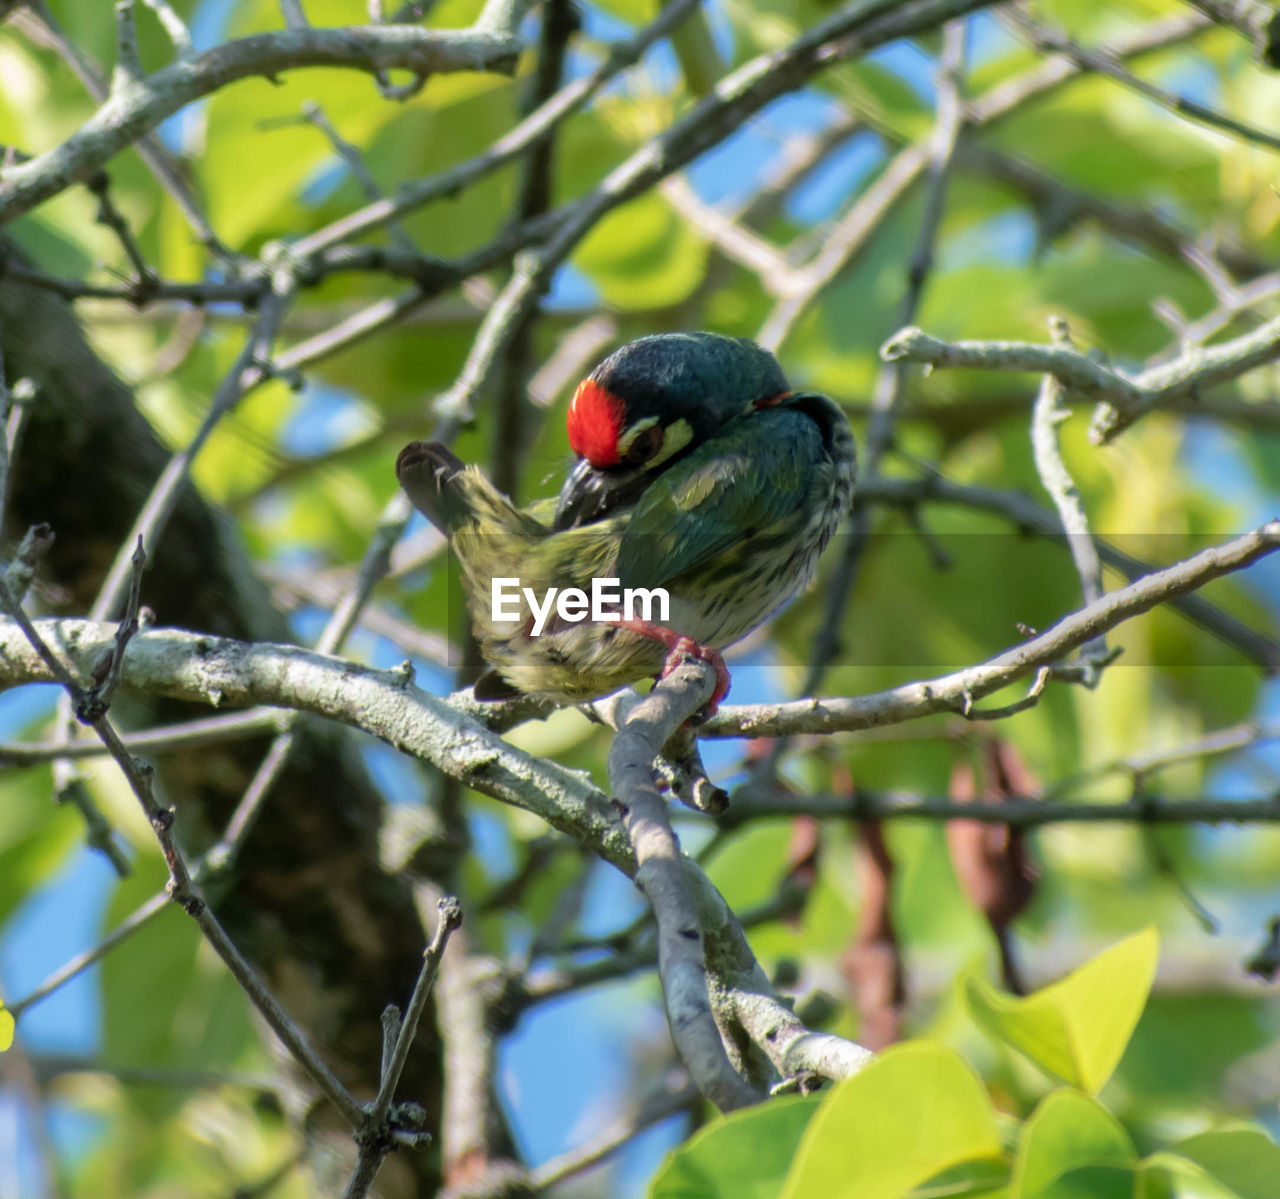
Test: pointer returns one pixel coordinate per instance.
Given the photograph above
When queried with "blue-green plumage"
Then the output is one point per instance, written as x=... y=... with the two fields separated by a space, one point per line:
x=699 y=474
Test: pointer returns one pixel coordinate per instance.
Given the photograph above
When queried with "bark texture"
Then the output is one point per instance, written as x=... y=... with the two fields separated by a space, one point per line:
x=337 y=935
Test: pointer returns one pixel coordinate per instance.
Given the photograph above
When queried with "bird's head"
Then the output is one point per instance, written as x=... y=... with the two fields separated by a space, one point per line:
x=648 y=404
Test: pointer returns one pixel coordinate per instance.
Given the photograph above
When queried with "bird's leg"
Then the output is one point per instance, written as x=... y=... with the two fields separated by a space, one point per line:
x=679 y=648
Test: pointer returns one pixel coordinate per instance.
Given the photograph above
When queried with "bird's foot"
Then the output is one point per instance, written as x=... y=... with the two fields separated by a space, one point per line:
x=678 y=649
x=687 y=647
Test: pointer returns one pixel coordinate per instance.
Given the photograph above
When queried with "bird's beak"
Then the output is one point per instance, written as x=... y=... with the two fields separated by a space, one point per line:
x=590 y=493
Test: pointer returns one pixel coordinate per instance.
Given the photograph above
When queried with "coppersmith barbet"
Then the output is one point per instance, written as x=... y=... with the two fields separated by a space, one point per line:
x=699 y=472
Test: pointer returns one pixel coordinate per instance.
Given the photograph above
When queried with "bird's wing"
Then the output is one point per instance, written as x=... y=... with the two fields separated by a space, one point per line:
x=755 y=474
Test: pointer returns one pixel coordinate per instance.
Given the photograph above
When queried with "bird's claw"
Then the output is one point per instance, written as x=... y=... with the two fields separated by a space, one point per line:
x=678 y=649
x=687 y=647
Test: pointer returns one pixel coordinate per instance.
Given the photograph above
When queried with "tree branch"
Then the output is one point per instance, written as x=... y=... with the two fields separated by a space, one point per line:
x=957 y=692
x=137 y=105
x=1021 y=812
x=661 y=876
x=1042 y=37
x=219 y=670
x=1029 y=517
x=1048 y=413
x=1259 y=22
x=1122 y=398
x=854 y=30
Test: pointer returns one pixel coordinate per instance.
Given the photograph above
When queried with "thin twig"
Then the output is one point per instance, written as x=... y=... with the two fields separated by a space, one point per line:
x=886 y=399
x=1028 y=517
x=182 y=888
x=450 y=917
x=1018 y=811
x=128 y=69
x=174 y=26
x=352 y=155
x=143 y=285
x=170 y=738
x=138 y=918
x=1122 y=398
x=958 y=691
x=376 y=1136
x=140 y=104
x=1143 y=765
x=373 y=567
x=540 y=123
x=249 y=370
x=669 y=1100
x=1042 y=37
x=1048 y=413
x=94 y=701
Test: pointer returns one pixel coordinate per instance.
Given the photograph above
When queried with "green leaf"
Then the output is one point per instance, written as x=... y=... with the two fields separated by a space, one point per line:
x=1067 y=1132
x=914 y=1113
x=6 y=1028
x=743 y=1156
x=1243 y=1161
x=643 y=255
x=1076 y=1029
x=985 y=1179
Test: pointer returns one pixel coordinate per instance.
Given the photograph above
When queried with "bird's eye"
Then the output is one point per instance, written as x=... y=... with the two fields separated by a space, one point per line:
x=643 y=447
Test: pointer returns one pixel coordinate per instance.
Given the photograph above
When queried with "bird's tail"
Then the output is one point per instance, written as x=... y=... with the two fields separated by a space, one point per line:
x=453 y=496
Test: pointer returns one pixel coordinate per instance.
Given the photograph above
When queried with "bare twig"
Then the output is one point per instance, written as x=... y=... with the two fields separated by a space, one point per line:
x=373 y=566
x=886 y=400
x=957 y=692
x=378 y=1134
x=145 y=102
x=843 y=243
x=1122 y=398
x=1048 y=413
x=182 y=888
x=1042 y=37
x=172 y=738
x=352 y=155
x=250 y=368
x=1054 y=70
x=94 y=701
x=661 y=876
x=142 y=286
x=1017 y=811
x=1141 y=766
x=137 y=919
x=539 y=124
x=128 y=70
x=1029 y=517
x=669 y=1100
x=174 y=26
x=511 y=416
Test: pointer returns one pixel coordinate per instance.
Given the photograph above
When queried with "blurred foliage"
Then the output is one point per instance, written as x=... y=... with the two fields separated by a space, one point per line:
x=305 y=474
x=919 y=1121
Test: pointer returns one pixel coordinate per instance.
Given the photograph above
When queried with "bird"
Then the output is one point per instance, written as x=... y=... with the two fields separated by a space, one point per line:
x=699 y=471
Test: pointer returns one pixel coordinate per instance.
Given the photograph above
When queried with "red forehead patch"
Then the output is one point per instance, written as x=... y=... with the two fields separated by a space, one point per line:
x=770 y=401
x=595 y=423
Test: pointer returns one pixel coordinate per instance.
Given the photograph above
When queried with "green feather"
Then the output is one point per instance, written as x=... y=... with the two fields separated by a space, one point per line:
x=754 y=478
